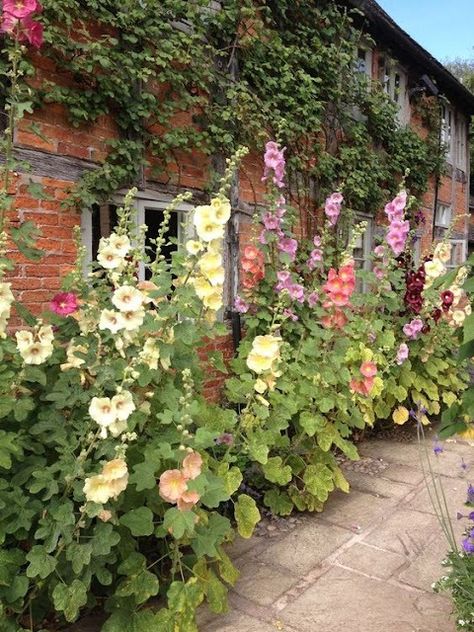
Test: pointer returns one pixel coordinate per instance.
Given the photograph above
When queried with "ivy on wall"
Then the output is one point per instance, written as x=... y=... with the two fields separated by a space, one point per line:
x=246 y=72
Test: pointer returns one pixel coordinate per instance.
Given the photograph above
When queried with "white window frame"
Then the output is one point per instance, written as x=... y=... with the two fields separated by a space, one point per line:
x=448 y=130
x=367 y=71
x=144 y=200
x=391 y=69
x=455 y=242
x=367 y=243
x=461 y=141
x=443 y=215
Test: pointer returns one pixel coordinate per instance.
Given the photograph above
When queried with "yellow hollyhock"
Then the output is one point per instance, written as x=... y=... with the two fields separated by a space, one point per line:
x=400 y=415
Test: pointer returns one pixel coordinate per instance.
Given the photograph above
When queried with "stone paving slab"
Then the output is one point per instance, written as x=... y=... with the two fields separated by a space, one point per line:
x=366 y=564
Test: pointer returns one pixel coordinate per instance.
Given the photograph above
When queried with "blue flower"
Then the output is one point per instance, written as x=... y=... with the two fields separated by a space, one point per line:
x=470 y=495
x=468 y=546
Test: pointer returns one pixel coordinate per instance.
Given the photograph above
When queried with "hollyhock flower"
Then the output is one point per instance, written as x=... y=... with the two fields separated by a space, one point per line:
x=288 y=245
x=36 y=353
x=264 y=353
x=317 y=241
x=127 y=298
x=192 y=465
x=271 y=221
x=33 y=32
x=368 y=369
x=21 y=8
x=73 y=361
x=172 y=485
x=188 y=500
x=207 y=224
x=23 y=339
x=6 y=297
x=103 y=412
x=447 y=297
x=121 y=244
x=379 y=251
x=240 y=305
x=315 y=257
x=222 y=210
x=133 y=320
x=193 y=247
x=116 y=473
x=313 y=299
x=289 y=313
x=226 y=438
x=111 y=320
x=64 y=303
x=402 y=353
x=296 y=292
x=413 y=328
x=109 y=258
x=442 y=252
x=124 y=405
x=213 y=301
x=97 y=489
x=397 y=235
x=362 y=387
x=274 y=161
x=379 y=273
x=332 y=207
x=284 y=280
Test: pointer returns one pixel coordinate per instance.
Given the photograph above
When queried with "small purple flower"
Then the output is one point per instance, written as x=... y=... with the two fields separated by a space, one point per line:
x=470 y=495
x=468 y=546
x=464 y=465
x=226 y=438
x=471 y=515
x=437 y=448
x=240 y=305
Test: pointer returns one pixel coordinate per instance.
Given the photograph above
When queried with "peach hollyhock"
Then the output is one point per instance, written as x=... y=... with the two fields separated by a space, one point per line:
x=172 y=485
x=368 y=369
x=187 y=501
x=192 y=465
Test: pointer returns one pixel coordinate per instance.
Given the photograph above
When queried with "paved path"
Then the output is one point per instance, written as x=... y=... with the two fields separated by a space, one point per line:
x=366 y=564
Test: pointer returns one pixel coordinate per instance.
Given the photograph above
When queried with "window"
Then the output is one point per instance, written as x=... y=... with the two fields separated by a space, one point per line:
x=443 y=215
x=101 y=220
x=363 y=62
x=363 y=250
x=447 y=121
x=394 y=82
x=458 y=253
x=461 y=143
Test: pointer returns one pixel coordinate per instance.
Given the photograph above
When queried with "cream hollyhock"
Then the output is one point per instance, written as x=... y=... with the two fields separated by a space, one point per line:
x=213 y=301
x=36 y=353
x=116 y=473
x=72 y=360
x=207 y=226
x=222 y=209
x=97 y=489
x=210 y=261
x=193 y=247
x=150 y=354
x=103 y=412
x=23 y=339
x=443 y=252
x=127 y=298
x=133 y=320
x=202 y=287
x=45 y=334
x=109 y=258
x=268 y=346
x=124 y=405
x=216 y=245
x=4 y=316
x=458 y=317
x=258 y=363
x=216 y=277
x=112 y=320
x=433 y=270
x=6 y=297
x=121 y=244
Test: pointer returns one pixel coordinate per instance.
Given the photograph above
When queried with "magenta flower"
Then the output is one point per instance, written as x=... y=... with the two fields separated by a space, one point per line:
x=240 y=305
x=402 y=353
x=288 y=245
x=289 y=313
x=284 y=280
x=332 y=207
x=274 y=161
x=33 y=31
x=21 y=8
x=296 y=292
x=64 y=303
x=271 y=221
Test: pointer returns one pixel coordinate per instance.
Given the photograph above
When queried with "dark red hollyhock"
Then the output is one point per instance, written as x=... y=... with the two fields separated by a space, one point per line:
x=436 y=314
x=415 y=281
x=447 y=297
x=426 y=329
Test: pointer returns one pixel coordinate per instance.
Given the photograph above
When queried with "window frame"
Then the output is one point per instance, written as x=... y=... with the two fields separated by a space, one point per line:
x=453 y=242
x=367 y=245
x=447 y=207
x=448 y=131
x=144 y=200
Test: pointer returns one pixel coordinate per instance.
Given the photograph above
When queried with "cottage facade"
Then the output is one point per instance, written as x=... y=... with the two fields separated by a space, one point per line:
x=60 y=154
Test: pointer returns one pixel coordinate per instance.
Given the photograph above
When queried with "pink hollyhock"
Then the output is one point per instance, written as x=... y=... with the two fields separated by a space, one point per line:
x=315 y=257
x=274 y=161
x=379 y=272
x=362 y=387
x=402 y=353
x=284 y=280
x=240 y=305
x=313 y=299
x=172 y=485
x=289 y=313
x=188 y=500
x=33 y=32
x=368 y=369
x=413 y=328
x=64 y=303
x=379 y=251
x=21 y=8
x=288 y=245
x=336 y=320
x=317 y=241
x=296 y=292
x=27 y=30
x=271 y=221
x=332 y=207
x=192 y=465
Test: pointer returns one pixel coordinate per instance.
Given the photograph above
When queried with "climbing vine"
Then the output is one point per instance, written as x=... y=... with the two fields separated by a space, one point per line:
x=179 y=76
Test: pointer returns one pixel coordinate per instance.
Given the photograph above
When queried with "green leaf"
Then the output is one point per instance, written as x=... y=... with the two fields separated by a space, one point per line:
x=40 y=563
x=70 y=599
x=318 y=480
x=179 y=522
x=139 y=521
x=209 y=536
x=276 y=472
x=227 y=570
x=104 y=539
x=215 y=490
x=126 y=621
x=216 y=595
x=79 y=555
x=258 y=451
x=141 y=586
x=247 y=515
x=279 y=502
x=233 y=479
x=312 y=422
x=144 y=474
x=468 y=328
